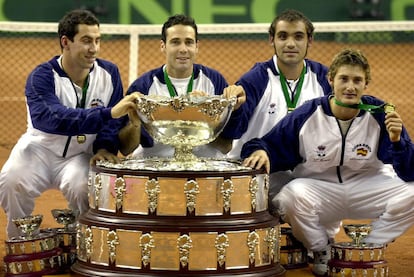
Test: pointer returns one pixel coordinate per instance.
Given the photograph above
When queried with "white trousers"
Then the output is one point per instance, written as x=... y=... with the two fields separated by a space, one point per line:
x=313 y=208
x=32 y=169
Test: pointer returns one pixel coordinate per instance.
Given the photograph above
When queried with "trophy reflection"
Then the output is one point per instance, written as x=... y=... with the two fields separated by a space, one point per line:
x=357 y=232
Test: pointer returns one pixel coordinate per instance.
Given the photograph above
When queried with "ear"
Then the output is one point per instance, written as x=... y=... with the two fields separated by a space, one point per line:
x=310 y=41
x=197 y=46
x=271 y=40
x=64 y=42
x=330 y=81
x=162 y=46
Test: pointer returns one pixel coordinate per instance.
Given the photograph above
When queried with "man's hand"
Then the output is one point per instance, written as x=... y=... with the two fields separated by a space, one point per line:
x=394 y=124
x=126 y=106
x=198 y=93
x=257 y=160
x=104 y=155
x=237 y=92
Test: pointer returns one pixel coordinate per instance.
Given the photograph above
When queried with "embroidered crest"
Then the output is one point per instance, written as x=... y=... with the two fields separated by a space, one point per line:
x=97 y=103
x=361 y=149
x=320 y=151
x=272 y=108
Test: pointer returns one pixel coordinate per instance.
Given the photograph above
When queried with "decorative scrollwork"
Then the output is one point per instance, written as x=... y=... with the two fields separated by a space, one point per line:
x=227 y=189
x=191 y=189
x=120 y=189
x=152 y=188
x=146 y=242
x=184 y=244
x=252 y=242
x=221 y=244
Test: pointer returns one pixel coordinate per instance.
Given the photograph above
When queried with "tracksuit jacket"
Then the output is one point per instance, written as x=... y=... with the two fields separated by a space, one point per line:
x=309 y=142
x=54 y=121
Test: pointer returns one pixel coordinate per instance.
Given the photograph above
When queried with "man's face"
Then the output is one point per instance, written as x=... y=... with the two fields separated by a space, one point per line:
x=84 y=49
x=349 y=84
x=180 y=50
x=291 y=42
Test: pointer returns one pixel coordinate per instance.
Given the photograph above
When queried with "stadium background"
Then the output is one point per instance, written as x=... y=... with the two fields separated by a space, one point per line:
x=390 y=54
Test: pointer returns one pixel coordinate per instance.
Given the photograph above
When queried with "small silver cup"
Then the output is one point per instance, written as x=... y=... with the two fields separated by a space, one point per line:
x=28 y=225
x=66 y=217
x=357 y=232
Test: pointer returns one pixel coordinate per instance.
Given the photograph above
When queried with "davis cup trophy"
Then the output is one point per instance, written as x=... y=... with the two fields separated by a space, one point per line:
x=182 y=215
x=66 y=235
x=357 y=258
x=34 y=253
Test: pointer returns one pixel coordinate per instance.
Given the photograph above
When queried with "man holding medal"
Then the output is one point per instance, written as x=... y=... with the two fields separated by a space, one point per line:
x=179 y=76
x=340 y=149
x=73 y=103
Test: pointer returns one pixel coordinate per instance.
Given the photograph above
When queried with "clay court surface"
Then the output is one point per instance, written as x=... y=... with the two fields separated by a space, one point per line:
x=391 y=65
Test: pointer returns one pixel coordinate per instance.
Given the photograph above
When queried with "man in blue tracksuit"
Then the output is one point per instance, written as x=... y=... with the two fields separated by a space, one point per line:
x=277 y=86
x=73 y=102
x=179 y=76
x=340 y=149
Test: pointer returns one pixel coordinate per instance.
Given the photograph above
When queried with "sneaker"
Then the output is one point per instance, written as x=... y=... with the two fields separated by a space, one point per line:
x=320 y=261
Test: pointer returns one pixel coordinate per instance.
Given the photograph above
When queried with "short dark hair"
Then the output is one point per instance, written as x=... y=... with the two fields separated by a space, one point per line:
x=69 y=24
x=353 y=57
x=178 y=19
x=292 y=16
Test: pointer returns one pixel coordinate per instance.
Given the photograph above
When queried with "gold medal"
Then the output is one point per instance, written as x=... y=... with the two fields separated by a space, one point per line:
x=388 y=107
x=81 y=139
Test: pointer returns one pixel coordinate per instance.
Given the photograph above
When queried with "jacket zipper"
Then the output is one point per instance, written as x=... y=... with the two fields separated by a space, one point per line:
x=338 y=168
x=65 y=151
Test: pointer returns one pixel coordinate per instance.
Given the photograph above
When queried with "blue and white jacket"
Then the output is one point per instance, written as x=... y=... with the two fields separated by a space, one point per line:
x=55 y=121
x=309 y=142
x=265 y=103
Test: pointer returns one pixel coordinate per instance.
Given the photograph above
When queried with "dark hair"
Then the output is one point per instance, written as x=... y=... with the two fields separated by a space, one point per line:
x=350 y=57
x=178 y=19
x=68 y=25
x=292 y=16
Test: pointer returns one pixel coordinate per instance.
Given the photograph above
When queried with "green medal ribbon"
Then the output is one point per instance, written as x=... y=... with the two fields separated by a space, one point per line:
x=84 y=90
x=171 y=88
x=386 y=107
x=82 y=138
x=292 y=104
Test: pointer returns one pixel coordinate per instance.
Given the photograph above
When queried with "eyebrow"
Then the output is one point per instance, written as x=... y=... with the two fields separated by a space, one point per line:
x=295 y=33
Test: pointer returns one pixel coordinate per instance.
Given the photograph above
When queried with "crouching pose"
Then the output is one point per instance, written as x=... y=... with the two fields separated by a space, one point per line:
x=351 y=158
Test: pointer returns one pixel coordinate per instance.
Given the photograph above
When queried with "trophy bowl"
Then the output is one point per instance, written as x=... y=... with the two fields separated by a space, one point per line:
x=357 y=232
x=184 y=122
x=66 y=217
x=28 y=225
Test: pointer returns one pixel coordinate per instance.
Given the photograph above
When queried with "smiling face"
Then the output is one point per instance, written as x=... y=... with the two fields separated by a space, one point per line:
x=290 y=42
x=82 y=52
x=180 y=49
x=349 y=84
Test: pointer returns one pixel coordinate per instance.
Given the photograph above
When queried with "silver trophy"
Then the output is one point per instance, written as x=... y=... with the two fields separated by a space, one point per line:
x=182 y=122
x=66 y=217
x=357 y=232
x=28 y=225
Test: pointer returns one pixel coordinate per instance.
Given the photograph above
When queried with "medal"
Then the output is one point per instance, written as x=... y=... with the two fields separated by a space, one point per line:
x=389 y=108
x=81 y=139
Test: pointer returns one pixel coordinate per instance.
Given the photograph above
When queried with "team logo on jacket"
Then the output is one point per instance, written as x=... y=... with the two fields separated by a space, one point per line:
x=361 y=150
x=320 y=151
x=320 y=154
x=97 y=103
x=272 y=108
